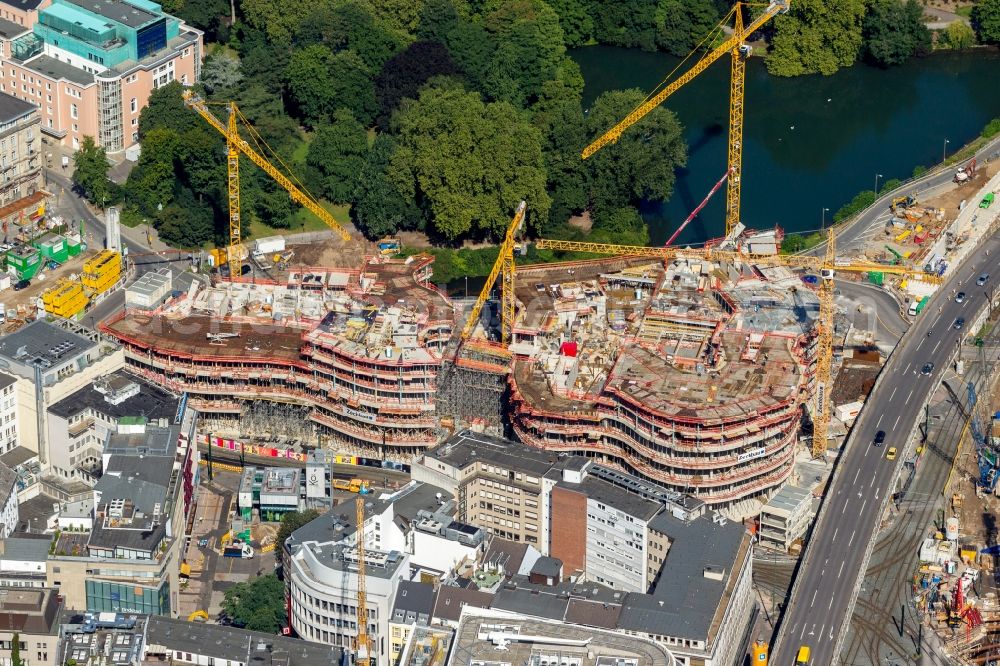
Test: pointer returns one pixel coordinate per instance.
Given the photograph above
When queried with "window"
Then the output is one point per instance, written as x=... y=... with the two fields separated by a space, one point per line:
x=134 y=105
x=73 y=113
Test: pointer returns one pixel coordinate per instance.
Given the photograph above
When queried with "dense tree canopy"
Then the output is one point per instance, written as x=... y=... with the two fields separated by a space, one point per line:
x=986 y=20
x=90 y=173
x=406 y=72
x=816 y=37
x=336 y=156
x=467 y=163
x=257 y=605
x=894 y=30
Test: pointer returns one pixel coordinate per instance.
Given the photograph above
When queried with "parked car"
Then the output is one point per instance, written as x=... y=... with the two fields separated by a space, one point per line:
x=22 y=284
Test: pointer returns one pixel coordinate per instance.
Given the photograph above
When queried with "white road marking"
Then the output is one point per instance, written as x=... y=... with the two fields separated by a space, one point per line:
x=904 y=372
x=896 y=423
x=845 y=505
x=831 y=631
x=935 y=347
x=841 y=569
x=803 y=632
x=894 y=391
x=856 y=476
x=862 y=507
x=814 y=599
x=880 y=419
x=833 y=539
x=852 y=538
x=830 y=606
x=873 y=481
x=910 y=395
x=877 y=491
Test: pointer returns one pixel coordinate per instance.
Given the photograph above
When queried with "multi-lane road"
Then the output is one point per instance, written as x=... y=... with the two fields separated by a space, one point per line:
x=824 y=589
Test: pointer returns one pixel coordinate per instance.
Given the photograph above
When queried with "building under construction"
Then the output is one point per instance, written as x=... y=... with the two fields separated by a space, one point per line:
x=692 y=374
x=349 y=359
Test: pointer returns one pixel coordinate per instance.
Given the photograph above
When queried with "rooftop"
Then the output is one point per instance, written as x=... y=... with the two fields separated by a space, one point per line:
x=615 y=497
x=12 y=108
x=548 y=642
x=16 y=549
x=119 y=395
x=8 y=483
x=118 y=11
x=468 y=447
x=29 y=610
x=789 y=498
x=704 y=554
x=57 y=69
x=229 y=643
x=43 y=344
x=87 y=636
x=451 y=600
x=414 y=603
x=23 y=4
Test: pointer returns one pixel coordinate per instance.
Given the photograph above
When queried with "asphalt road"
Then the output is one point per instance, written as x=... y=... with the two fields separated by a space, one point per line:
x=852 y=509
x=854 y=233
x=879 y=310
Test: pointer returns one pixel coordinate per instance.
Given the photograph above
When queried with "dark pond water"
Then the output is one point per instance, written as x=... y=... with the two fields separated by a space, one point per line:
x=810 y=142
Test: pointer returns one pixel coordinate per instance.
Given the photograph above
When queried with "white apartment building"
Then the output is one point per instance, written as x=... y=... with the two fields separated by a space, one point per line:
x=8 y=501
x=8 y=412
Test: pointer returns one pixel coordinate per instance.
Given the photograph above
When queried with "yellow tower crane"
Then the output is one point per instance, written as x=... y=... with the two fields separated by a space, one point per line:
x=739 y=52
x=827 y=266
x=503 y=268
x=236 y=145
x=363 y=653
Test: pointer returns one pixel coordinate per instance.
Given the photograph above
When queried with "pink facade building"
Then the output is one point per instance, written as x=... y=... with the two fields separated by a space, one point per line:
x=90 y=65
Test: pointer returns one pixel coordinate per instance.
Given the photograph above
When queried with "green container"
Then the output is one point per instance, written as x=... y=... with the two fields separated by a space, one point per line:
x=25 y=260
x=876 y=277
x=53 y=247
x=73 y=246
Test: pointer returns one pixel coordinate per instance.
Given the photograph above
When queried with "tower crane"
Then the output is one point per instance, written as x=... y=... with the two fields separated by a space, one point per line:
x=826 y=265
x=503 y=267
x=739 y=52
x=235 y=145
x=363 y=653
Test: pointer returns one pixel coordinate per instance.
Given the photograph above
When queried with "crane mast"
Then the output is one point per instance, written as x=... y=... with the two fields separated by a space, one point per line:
x=363 y=654
x=739 y=52
x=235 y=146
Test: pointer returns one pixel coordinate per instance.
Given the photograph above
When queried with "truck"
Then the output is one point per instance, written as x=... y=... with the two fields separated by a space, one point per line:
x=238 y=549
x=268 y=245
x=916 y=307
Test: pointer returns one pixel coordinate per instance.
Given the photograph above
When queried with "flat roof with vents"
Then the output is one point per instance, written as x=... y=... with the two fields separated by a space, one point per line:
x=120 y=12
x=43 y=344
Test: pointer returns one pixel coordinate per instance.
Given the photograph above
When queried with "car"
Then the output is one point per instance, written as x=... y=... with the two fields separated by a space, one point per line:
x=22 y=284
x=540 y=287
x=203 y=543
x=890 y=453
x=960 y=297
x=959 y=323
x=981 y=280
x=879 y=438
x=927 y=369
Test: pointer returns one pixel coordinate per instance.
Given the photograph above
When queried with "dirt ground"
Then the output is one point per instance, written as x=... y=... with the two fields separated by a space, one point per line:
x=949 y=201
x=26 y=297
x=333 y=253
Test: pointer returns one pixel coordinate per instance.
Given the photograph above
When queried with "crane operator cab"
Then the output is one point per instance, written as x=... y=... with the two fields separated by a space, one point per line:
x=802 y=657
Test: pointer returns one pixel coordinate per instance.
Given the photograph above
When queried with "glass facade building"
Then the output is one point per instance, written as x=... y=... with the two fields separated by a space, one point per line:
x=106 y=597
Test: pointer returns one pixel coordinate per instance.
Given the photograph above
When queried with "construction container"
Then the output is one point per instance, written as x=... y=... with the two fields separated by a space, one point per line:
x=100 y=273
x=74 y=245
x=52 y=247
x=25 y=261
x=149 y=291
x=65 y=300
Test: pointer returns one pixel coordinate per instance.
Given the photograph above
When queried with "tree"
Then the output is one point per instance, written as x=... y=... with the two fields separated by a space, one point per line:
x=185 y=224
x=986 y=20
x=438 y=17
x=336 y=156
x=576 y=21
x=467 y=163
x=620 y=225
x=90 y=173
x=377 y=208
x=894 y=30
x=682 y=24
x=309 y=84
x=292 y=521
x=257 y=605
x=959 y=35
x=404 y=74
x=352 y=85
x=166 y=109
x=626 y=23
x=401 y=15
x=15 y=650
x=559 y=116
x=221 y=71
x=641 y=165
x=279 y=19
x=816 y=36
x=151 y=183
x=208 y=15
x=529 y=49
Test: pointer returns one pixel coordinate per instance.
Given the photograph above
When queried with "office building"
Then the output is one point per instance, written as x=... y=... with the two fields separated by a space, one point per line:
x=90 y=66
x=21 y=191
x=23 y=561
x=32 y=615
x=8 y=500
x=52 y=360
x=785 y=519
x=413 y=608
x=8 y=413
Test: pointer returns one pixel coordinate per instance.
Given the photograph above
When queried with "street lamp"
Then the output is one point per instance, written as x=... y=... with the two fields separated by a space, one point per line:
x=822 y=218
x=877 y=176
x=944 y=150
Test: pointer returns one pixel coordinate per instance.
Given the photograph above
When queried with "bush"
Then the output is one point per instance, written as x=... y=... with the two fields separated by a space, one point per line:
x=793 y=243
x=992 y=129
x=890 y=185
x=919 y=170
x=861 y=201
